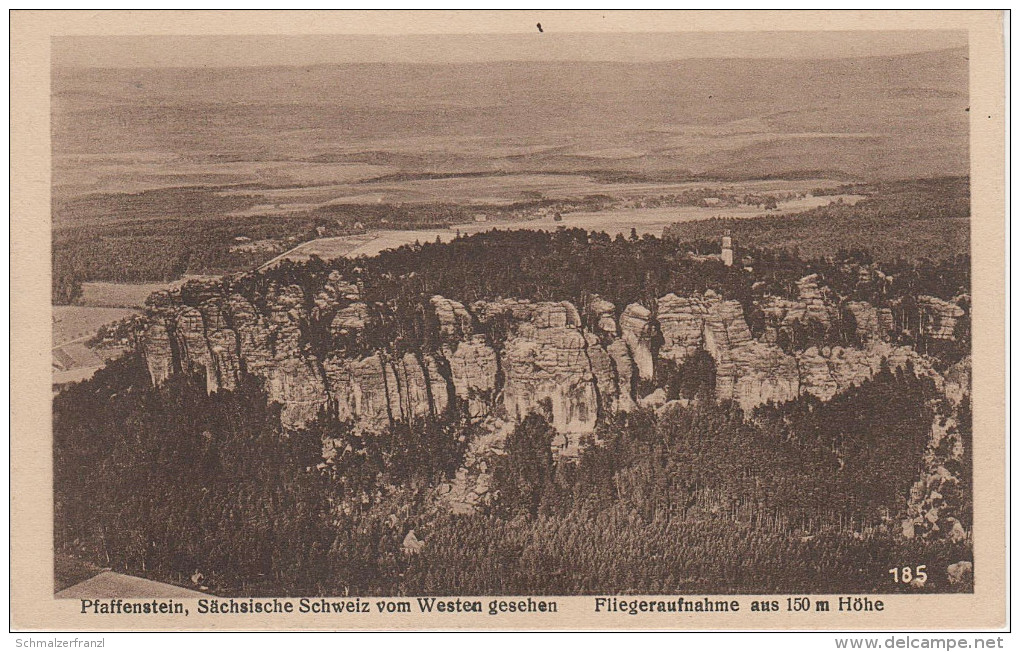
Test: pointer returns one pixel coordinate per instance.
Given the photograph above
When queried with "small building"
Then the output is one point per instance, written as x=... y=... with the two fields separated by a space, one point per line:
x=711 y=201
x=481 y=217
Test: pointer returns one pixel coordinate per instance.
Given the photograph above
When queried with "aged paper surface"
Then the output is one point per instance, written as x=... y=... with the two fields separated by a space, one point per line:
x=696 y=320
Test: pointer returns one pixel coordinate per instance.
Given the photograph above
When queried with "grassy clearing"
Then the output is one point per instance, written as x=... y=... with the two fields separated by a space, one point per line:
x=101 y=294
x=72 y=323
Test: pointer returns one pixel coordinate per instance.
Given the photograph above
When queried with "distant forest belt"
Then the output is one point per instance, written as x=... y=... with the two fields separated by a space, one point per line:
x=813 y=237
x=911 y=220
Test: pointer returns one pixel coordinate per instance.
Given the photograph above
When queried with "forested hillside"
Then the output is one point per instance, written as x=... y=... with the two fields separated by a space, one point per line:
x=690 y=495
x=690 y=500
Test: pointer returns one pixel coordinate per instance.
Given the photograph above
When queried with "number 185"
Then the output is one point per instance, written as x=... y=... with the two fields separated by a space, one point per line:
x=906 y=575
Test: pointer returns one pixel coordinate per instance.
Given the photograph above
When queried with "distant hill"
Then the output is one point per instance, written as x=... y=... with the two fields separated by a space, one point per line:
x=869 y=118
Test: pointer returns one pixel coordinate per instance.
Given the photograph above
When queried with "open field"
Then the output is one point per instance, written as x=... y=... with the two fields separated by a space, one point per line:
x=73 y=361
x=100 y=294
x=654 y=220
x=324 y=248
x=103 y=294
x=72 y=323
x=280 y=127
x=74 y=375
x=133 y=172
x=613 y=222
x=482 y=190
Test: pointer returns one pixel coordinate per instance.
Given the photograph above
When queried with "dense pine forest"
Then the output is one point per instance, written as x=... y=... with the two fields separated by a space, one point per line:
x=911 y=219
x=577 y=265
x=700 y=499
x=803 y=496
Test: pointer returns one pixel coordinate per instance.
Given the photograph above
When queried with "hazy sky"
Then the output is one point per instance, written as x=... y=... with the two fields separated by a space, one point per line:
x=233 y=50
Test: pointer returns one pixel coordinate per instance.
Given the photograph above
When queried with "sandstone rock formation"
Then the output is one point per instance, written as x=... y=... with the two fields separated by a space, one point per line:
x=815 y=300
x=189 y=338
x=869 y=326
x=960 y=572
x=159 y=357
x=512 y=356
x=938 y=317
x=546 y=361
x=602 y=317
x=637 y=331
x=958 y=380
x=623 y=368
x=473 y=371
x=503 y=359
x=930 y=508
x=454 y=319
x=349 y=320
x=682 y=323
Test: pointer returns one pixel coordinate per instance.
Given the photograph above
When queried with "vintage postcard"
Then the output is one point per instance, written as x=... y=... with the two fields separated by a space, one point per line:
x=508 y=320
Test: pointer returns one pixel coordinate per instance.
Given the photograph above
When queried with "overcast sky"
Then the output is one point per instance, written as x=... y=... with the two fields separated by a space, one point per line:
x=231 y=50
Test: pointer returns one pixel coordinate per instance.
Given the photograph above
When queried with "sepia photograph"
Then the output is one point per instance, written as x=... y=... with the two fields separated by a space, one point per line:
x=535 y=314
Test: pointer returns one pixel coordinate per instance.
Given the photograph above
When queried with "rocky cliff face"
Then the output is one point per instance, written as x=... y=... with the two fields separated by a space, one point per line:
x=933 y=504
x=938 y=317
x=638 y=333
x=547 y=358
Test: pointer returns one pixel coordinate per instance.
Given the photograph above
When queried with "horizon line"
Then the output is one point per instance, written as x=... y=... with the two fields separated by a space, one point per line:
x=243 y=51
x=630 y=62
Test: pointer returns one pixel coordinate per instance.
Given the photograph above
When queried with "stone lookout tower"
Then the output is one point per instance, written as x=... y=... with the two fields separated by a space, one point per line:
x=727 y=249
